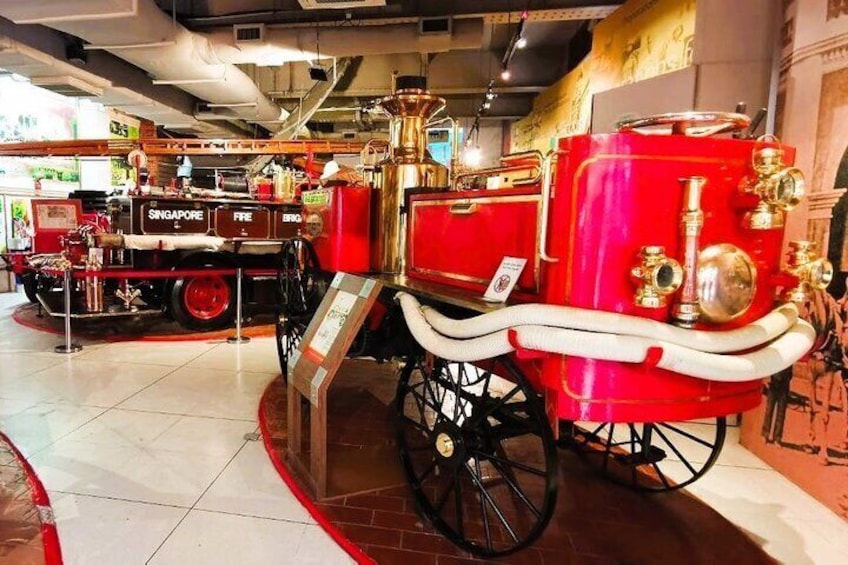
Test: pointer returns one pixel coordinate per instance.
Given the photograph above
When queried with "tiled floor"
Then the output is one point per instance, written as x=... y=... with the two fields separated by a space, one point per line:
x=143 y=450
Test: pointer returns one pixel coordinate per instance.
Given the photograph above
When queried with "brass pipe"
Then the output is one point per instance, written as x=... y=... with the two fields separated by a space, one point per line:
x=537 y=169
x=686 y=310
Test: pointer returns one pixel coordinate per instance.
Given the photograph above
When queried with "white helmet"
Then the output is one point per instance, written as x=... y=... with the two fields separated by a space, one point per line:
x=330 y=169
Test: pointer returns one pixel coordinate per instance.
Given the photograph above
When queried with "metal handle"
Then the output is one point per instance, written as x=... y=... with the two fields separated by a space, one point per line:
x=463 y=208
x=547 y=164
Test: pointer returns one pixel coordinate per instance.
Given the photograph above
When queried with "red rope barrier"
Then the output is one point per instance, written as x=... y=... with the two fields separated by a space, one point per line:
x=161 y=274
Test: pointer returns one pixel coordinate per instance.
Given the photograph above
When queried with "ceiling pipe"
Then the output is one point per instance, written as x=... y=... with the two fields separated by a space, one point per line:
x=282 y=44
x=181 y=55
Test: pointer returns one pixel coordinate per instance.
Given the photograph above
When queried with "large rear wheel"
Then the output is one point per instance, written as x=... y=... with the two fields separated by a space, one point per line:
x=477 y=451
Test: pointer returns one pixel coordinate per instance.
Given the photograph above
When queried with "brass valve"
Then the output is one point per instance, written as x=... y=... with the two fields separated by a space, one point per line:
x=813 y=272
x=656 y=275
x=779 y=188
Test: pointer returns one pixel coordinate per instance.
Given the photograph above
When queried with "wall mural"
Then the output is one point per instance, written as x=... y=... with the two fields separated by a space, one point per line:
x=802 y=427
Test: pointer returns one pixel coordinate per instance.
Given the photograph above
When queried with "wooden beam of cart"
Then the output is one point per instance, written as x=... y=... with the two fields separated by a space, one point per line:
x=153 y=147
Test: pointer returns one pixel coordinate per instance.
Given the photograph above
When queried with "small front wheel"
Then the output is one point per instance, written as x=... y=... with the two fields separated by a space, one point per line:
x=651 y=456
x=205 y=302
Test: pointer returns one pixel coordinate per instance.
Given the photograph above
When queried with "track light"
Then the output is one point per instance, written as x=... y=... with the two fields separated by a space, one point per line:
x=490 y=95
x=521 y=43
x=505 y=74
x=487 y=105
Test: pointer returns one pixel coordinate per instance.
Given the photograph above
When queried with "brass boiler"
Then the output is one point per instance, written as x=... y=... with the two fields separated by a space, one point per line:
x=408 y=165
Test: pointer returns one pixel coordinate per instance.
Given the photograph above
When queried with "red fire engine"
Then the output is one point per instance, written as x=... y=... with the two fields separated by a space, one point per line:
x=651 y=294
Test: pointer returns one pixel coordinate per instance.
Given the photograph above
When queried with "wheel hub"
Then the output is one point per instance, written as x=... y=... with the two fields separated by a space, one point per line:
x=444 y=445
x=450 y=444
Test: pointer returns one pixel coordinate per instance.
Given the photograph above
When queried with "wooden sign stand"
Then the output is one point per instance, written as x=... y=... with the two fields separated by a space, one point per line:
x=314 y=365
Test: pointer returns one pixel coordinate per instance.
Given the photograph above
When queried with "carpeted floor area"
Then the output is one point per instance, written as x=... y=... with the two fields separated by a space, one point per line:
x=594 y=522
x=147 y=328
x=27 y=533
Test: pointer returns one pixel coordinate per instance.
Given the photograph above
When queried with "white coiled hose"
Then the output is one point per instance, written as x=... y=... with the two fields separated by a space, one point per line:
x=753 y=335
x=781 y=353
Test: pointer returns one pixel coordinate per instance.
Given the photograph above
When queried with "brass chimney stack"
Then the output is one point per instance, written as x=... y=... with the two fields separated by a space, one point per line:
x=409 y=165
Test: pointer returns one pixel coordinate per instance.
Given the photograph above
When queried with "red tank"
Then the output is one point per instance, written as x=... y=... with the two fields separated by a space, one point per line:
x=612 y=196
x=337 y=221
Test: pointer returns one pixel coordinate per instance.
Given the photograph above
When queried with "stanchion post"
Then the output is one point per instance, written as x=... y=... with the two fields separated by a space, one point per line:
x=69 y=346
x=238 y=338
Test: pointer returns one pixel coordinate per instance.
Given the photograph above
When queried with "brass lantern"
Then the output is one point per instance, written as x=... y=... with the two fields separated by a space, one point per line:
x=779 y=188
x=813 y=272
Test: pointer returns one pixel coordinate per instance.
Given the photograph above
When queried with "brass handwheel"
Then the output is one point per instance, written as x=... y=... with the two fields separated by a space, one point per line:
x=694 y=124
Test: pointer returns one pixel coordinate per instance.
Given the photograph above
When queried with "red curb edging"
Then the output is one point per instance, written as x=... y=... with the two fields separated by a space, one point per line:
x=49 y=534
x=344 y=542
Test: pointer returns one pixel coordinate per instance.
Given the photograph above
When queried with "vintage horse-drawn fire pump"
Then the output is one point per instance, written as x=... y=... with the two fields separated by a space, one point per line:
x=652 y=295
x=172 y=250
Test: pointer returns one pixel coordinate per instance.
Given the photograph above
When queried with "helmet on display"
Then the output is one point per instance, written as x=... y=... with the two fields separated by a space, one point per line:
x=330 y=169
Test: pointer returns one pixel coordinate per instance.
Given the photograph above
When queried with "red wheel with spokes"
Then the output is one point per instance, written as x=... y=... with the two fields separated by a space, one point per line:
x=206 y=302
x=206 y=298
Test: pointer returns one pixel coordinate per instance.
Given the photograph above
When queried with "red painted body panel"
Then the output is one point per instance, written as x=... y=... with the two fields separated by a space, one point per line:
x=612 y=195
x=479 y=228
x=342 y=243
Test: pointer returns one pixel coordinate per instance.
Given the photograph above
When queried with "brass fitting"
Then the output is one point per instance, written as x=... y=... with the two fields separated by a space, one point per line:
x=813 y=272
x=779 y=188
x=656 y=275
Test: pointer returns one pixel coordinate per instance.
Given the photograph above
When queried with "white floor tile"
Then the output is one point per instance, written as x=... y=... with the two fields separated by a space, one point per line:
x=99 y=531
x=204 y=392
x=173 y=354
x=213 y=538
x=258 y=356
x=13 y=366
x=250 y=485
x=43 y=424
x=140 y=456
x=91 y=383
x=9 y=407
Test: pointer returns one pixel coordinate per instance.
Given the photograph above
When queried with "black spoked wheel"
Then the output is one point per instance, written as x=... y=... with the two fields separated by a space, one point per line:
x=289 y=333
x=653 y=457
x=299 y=278
x=477 y=451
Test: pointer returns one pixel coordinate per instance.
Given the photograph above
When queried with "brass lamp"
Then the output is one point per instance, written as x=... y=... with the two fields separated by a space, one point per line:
x=813 y=272
x=779 y=188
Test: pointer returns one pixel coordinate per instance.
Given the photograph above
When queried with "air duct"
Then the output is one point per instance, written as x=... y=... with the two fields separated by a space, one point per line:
x=280 y=45
x=149 y=39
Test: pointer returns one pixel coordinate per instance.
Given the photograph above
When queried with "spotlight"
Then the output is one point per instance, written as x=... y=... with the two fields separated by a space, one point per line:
x=473 y=157
x=521 y=43
x=490 y=95
x=487 y=105
x=505 y=74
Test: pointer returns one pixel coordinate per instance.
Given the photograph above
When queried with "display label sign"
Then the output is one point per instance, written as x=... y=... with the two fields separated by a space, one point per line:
x=331 y=325
x=253 y=223
x=182 y=218
x=505 y=279
x=288 y=220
